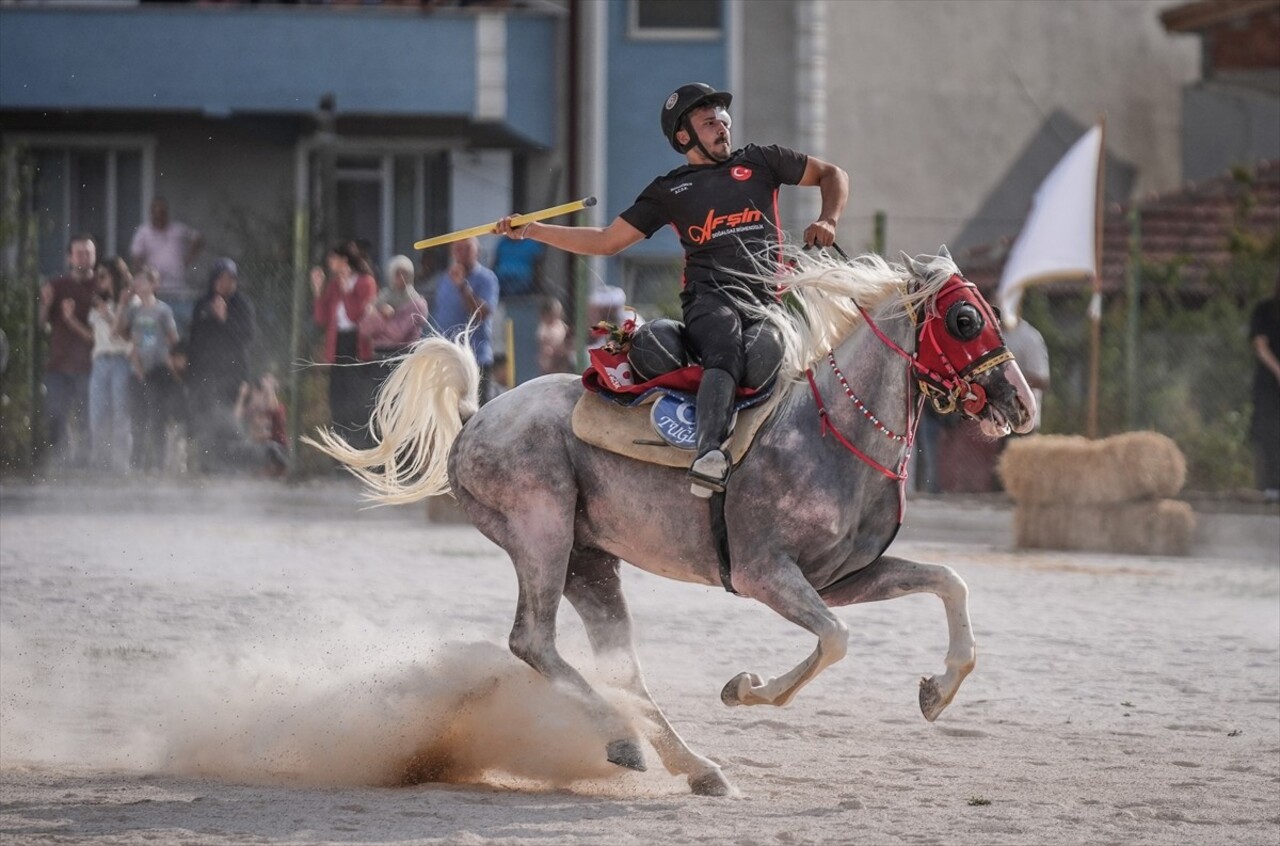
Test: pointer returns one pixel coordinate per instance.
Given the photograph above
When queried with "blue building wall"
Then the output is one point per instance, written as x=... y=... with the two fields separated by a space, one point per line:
x=269 y=61
x=642 y=73
x=532 y=67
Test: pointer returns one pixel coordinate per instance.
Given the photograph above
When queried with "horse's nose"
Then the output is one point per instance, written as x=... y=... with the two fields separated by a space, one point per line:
x=1022 y=417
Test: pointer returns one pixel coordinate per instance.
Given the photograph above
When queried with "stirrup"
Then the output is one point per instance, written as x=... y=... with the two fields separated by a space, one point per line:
x=709 y=474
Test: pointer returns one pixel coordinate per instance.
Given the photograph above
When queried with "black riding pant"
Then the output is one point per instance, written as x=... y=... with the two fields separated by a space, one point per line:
x=713 y=325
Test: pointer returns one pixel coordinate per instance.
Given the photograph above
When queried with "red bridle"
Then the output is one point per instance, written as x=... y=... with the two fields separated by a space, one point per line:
x=944 y=365
x=946 y=362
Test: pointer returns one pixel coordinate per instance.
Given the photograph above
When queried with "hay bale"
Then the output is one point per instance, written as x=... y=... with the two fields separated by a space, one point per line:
x=1161 y=527
x=1069 y=469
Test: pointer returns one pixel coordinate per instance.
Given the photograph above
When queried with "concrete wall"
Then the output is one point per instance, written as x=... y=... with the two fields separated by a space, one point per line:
x=942 y=112
x=1226 y=125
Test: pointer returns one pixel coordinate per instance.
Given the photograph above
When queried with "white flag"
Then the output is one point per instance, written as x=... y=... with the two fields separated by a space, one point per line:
x=1058 y=239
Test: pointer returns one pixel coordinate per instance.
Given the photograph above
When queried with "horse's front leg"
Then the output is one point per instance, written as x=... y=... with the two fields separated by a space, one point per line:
x=889 y=578
x=783 y=588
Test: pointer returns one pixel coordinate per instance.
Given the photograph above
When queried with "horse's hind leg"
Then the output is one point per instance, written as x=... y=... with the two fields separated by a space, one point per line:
x=892 y=577
x=595 y=590
x=539 y=541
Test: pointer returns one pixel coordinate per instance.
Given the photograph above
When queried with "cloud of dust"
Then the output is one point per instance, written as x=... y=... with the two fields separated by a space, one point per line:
x=473 y=715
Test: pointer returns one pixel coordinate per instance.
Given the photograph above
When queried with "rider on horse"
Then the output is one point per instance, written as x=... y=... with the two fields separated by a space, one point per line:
x=723 y=204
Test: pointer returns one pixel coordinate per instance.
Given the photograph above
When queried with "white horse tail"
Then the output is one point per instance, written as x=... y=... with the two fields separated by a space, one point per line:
x=420 y=410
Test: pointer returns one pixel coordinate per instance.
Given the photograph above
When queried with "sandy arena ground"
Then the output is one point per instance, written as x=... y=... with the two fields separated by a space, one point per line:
x=247 y=663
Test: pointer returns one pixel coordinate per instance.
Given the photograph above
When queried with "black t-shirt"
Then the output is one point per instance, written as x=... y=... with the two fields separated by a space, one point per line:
x=1265 y=321
x=724 y=212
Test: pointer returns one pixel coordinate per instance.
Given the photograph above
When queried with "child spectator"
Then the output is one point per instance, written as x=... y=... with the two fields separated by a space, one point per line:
x=252 y=439
x=177 y=409
x=263 y=445
x=555 y=347
x=149 y=324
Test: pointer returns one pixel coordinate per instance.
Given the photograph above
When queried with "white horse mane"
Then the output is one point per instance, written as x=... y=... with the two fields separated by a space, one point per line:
x=821 y=291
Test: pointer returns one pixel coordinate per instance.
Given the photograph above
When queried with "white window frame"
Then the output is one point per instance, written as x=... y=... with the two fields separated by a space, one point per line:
x=637 y=33
x=111 y=144
x=385 y=150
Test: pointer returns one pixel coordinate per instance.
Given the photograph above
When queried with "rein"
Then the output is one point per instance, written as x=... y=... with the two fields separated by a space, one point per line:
x=907 y=440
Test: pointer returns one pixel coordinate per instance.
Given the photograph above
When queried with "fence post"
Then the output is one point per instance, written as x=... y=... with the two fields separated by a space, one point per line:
x=301 y=231
x=28 y=273
x=1133 y=286
x=878 y=235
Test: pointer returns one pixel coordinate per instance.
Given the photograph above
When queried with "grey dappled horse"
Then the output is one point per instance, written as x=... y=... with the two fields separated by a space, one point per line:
x=808 y=517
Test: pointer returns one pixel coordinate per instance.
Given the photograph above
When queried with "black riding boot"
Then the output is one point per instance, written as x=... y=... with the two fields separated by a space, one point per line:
x=710 y=469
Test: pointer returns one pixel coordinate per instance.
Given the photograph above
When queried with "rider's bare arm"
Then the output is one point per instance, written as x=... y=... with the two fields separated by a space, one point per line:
x=833 y=184
x=584 y=240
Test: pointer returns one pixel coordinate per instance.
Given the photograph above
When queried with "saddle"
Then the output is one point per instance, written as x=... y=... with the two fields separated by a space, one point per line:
x=655 y=421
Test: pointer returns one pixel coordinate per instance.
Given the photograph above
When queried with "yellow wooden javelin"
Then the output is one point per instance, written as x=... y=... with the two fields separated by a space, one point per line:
x=518 y=220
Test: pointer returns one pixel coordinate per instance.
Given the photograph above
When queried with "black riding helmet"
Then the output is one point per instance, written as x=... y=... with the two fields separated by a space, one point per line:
x=683 y=100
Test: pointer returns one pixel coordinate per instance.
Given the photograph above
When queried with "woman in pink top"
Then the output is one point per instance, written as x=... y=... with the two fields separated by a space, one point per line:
x=342 y=297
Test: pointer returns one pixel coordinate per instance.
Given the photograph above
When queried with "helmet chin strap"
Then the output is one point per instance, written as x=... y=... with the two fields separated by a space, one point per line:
x=697 y=142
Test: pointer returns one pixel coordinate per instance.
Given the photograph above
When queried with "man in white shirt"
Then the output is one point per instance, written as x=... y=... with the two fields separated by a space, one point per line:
x=171 y=247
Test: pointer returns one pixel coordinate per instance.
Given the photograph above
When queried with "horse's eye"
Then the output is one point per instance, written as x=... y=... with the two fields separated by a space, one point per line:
x=964 y=321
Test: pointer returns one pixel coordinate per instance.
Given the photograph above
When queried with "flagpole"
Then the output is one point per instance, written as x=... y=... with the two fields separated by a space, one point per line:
x=1095 y=307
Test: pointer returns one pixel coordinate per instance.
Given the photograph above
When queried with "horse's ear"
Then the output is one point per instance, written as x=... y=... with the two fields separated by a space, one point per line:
x=944 y=252
x=917 y=269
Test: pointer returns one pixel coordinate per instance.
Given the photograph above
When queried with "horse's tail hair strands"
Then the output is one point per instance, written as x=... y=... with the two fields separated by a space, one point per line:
x=419 y=412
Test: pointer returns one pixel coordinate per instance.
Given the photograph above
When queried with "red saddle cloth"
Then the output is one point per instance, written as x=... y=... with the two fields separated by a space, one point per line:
x=610 y=373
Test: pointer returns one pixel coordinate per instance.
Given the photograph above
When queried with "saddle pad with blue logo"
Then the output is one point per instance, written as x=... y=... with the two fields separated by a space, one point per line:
x=659 y=427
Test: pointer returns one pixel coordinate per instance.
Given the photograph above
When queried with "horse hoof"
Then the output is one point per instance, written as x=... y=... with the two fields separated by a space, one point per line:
x=625 y=753
x=735 y=692
x=931 y=702
x=711 y=783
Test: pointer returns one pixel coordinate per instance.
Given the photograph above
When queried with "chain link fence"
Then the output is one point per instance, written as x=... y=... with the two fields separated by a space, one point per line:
x=1181 y=363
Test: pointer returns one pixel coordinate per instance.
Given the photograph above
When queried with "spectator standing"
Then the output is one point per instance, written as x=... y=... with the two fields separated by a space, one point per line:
x=1264 y=428
x=1028 y=348
x=110 y=423
x=467 y=296
x=148 y=322
x=223 y=325
x=344 y=291
x=397 y=317
x=555 y=347
x=65 y=303
x=518 y=266
x=171 y=247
